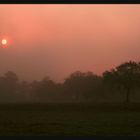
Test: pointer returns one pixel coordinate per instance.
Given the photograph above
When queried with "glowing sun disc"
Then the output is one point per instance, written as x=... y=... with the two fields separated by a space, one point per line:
x=4 y=41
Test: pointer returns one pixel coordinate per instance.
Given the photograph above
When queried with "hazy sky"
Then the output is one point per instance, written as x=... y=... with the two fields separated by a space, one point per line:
x=56 y=40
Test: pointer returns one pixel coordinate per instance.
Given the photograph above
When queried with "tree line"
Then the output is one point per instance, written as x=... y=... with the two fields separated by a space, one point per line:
x=121 y=82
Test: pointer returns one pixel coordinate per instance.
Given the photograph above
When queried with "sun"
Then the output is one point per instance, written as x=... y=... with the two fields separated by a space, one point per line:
x=4 y=42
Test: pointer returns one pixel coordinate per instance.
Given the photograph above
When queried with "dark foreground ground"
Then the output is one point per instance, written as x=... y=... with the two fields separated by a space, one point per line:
x=70 y=119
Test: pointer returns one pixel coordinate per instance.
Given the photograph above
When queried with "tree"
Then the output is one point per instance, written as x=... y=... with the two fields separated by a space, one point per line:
x=9 y=86
x=12 y=81
x=43 y=90
x=82 y=85
x=24 y=91
x=125 y=76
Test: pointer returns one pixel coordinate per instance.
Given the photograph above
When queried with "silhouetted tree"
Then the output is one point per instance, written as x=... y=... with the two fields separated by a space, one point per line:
x=24 y=91
x=34 y=90
x=9 y=86
x=44 y=90
x=82 y=85
x=125 y=76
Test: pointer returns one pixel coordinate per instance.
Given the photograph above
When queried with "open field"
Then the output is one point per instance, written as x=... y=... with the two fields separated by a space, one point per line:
x=70 y=119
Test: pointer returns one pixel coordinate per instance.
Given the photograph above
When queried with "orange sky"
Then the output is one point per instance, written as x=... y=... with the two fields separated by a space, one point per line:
x=56 y=40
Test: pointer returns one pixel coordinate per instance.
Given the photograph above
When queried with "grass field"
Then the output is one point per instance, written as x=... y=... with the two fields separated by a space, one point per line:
x=70 y=119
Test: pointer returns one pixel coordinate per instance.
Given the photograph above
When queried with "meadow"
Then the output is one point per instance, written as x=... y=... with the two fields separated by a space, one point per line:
x=70 y=119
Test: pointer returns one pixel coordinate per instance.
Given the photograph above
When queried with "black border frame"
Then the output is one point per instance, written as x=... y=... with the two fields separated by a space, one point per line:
x=69 y=1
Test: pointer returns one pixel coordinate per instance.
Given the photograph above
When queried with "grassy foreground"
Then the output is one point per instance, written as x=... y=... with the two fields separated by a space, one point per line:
x=70 y=119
